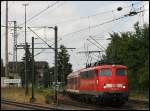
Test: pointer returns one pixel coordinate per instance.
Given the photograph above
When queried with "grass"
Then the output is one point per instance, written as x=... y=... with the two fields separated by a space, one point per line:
x=139 y=95
x=42 y=93
x=18 y=94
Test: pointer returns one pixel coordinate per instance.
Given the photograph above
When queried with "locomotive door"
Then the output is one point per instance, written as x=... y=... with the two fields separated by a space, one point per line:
x=97 y=79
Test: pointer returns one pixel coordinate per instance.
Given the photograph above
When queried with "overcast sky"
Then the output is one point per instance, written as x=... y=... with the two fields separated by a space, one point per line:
x=70 y=16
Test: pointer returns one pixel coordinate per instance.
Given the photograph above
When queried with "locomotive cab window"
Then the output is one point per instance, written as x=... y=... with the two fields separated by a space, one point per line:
x=121 y=72
x=105 y=72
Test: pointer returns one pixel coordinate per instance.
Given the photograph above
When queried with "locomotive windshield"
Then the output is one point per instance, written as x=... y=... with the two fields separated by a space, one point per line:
x=105 y=72
x=121 y=72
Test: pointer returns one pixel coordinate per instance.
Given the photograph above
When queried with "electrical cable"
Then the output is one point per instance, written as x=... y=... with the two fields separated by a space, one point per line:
x=51 y=12
x=39 y=13
x=41 y=38
x=86 y=17
x=97 y=42
x=95 y=45
x=126 y=15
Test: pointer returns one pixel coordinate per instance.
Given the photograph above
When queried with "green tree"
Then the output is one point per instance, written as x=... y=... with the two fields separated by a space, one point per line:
x=64 y=67
x=132 y=49
x=51 y=71
x=2 y=68
x=28 y=66
x=46 y=77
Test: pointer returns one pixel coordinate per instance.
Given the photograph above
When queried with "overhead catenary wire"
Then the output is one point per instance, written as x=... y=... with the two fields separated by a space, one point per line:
x=95 y=57
x=60 y=38
x=86 y=17
x=97 y=42
x=41 y=38
x=40 y=13
x=51 y=10
x=39 y=52
x=95 y=45
x=73 y=18
x=94 y=26
x=89 y=16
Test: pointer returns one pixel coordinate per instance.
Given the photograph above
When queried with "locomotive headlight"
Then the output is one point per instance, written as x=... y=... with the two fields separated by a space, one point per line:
x=104 y=87
x=123 y=86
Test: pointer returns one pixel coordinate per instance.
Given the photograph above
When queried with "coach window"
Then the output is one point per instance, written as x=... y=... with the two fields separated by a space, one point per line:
x=86 y=74
x=81 y=75
x=95 y=73
x=121 y=72
x=105 y=72
x=90 y=74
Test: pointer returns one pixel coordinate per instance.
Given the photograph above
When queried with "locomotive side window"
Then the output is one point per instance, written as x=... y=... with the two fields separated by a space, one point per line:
x=121 y=72
x=92 y=74
x=84 y=75
x=89 y=74
x=105 y=72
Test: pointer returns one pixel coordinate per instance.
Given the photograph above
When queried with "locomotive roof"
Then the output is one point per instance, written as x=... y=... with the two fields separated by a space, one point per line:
x=121 y=66
x=76 y=73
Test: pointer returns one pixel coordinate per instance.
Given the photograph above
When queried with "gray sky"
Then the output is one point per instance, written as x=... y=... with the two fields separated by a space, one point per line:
x=70 y=16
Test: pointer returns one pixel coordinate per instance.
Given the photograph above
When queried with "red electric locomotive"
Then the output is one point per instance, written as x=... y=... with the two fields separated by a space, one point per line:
x=102 y=84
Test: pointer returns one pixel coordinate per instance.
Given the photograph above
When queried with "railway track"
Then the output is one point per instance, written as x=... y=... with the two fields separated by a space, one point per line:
x=136 y=101
x=69 y=101
x=65 y=103
x=27 y=105
x=130 y=105
x=138 y=104
x=90 y=106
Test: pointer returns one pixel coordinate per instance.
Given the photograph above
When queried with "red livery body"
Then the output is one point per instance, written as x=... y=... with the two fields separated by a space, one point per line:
x=99 y=83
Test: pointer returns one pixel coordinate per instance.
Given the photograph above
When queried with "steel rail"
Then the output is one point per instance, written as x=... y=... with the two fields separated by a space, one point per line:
x=28 y=105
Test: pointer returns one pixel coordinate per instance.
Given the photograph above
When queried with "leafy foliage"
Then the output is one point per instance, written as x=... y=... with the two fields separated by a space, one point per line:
x=132 y=49
x=46 y=78
x=2 y=68
x=28 y=68
x=63 y=64
x=64 y=67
